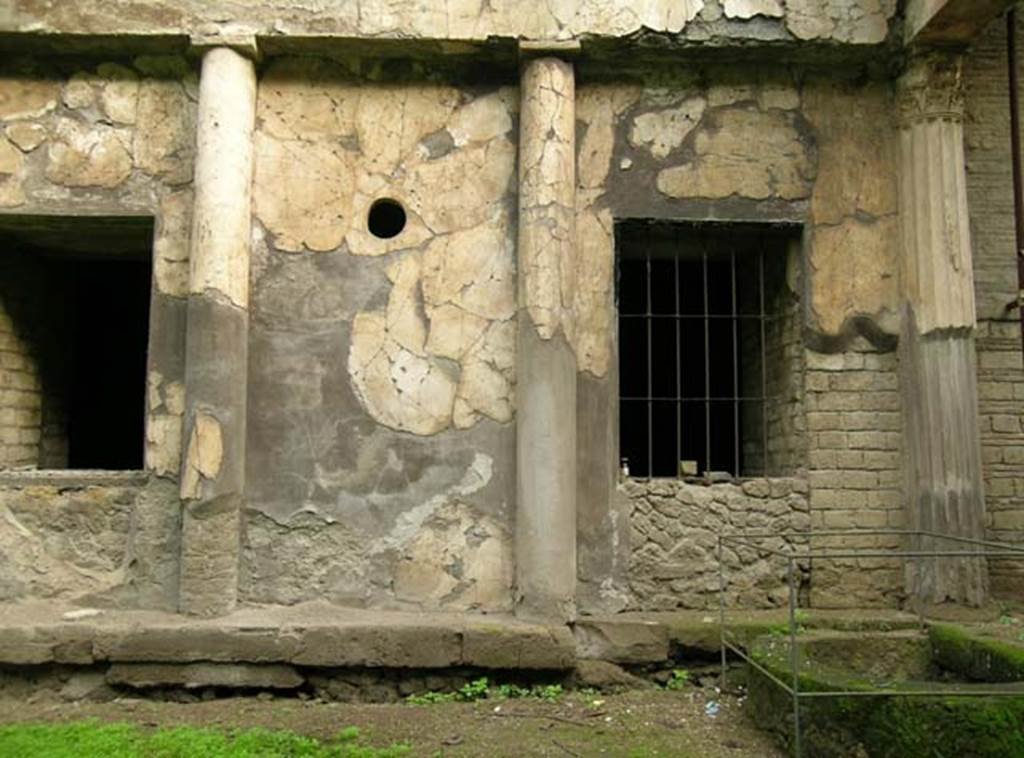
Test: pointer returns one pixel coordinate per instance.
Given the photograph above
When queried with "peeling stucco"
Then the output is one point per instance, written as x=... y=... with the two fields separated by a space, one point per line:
x=204 y=454
x=440 y=353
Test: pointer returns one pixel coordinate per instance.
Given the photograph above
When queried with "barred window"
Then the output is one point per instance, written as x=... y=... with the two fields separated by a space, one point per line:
x=709 y=349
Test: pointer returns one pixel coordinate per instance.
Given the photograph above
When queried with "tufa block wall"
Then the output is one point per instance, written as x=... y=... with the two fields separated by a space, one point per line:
x=674 y=528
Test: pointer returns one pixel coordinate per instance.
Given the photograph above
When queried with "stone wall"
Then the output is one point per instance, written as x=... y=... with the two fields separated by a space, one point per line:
x=381 y=441
x=674 y=529
x=100 y=539
x=1000 y=363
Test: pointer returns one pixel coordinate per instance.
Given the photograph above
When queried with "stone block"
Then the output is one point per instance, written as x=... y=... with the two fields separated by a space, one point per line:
x=87 y=685
x=380 y=644
x=186 y=644
x=196 y=675
x=493 y=646
x=620 y=641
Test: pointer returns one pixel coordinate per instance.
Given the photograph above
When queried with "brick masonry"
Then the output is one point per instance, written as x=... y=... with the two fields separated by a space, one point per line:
x=26 y=410
x=1000 y=372
x=854 y=469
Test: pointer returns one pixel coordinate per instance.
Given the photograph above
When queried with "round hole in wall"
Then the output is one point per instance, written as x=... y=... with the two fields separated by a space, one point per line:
x=386 y=218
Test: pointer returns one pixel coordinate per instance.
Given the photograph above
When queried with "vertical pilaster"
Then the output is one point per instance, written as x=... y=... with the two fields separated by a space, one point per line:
x=546 y=364
x=943 y=477
x=213 y=469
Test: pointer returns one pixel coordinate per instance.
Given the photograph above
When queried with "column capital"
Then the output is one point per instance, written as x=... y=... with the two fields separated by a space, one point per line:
x=931 y=88
x=241 y=40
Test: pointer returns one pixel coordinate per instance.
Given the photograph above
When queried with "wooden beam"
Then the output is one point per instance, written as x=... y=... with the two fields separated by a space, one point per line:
x=950 y=22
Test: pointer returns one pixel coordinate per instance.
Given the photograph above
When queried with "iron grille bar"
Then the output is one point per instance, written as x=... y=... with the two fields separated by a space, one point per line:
x=707 y=360
x=735 y=367
x=764 y=364
x=650 y=369
x=701 y=317
x=679 y=360
x=668 y=399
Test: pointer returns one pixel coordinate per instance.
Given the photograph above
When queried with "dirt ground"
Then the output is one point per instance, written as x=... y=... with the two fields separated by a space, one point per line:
x=639 y=723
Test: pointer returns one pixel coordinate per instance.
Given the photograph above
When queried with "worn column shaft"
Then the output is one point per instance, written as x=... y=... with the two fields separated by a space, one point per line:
x=546 y=365
x=213 y=469
x=943 y=476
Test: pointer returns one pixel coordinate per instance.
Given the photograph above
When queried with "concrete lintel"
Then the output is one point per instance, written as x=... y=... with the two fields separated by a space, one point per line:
x=949 y=22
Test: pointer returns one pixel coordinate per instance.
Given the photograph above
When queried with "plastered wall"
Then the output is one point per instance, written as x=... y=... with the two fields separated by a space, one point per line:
x=381 y=400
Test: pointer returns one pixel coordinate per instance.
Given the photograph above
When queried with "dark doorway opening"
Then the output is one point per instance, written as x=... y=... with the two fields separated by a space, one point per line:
x=77 y=291
x=109 y=309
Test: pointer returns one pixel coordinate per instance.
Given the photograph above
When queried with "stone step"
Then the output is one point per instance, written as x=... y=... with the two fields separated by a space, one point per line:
x=310 y=635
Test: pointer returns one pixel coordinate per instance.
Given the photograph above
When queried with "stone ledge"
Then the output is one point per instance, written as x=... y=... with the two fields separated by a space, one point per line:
x=71 y=478
x=311 y=635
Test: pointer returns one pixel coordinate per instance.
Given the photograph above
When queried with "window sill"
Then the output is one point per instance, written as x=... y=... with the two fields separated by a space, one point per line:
x=72 y=478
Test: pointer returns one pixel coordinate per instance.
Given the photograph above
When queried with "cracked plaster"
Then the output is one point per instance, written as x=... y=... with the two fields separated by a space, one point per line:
x=458 y=21
x=854 y=21
x=440 y=353
x=743 y=152
x=547 y=197
x=720 y=151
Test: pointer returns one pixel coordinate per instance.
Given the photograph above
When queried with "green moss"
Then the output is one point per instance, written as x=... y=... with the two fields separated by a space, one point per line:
x=887 y=727
x=977 y=658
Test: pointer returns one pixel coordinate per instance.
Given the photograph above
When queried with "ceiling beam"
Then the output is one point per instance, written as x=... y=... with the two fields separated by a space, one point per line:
x=950 y=22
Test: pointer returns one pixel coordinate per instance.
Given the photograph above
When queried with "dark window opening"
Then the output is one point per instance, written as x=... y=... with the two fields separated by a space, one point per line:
x=386 y=219
x=708 y=349
x=75 y=295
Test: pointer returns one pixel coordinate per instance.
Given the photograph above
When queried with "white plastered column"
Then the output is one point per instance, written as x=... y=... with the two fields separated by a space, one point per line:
x=545 y=541
x=213 y=466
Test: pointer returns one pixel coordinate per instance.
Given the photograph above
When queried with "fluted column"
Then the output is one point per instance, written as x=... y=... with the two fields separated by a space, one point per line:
x=943 y=477
x=213 y=469
x=546 y=365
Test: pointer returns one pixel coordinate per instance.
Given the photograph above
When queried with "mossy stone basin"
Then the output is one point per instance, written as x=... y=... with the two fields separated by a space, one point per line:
x=939 y=663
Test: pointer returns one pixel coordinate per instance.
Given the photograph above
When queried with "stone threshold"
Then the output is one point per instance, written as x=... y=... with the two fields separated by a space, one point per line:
x=317 y=635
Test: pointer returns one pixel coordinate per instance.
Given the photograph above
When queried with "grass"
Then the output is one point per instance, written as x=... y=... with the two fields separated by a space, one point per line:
x=89 y=738
x=481 y=689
